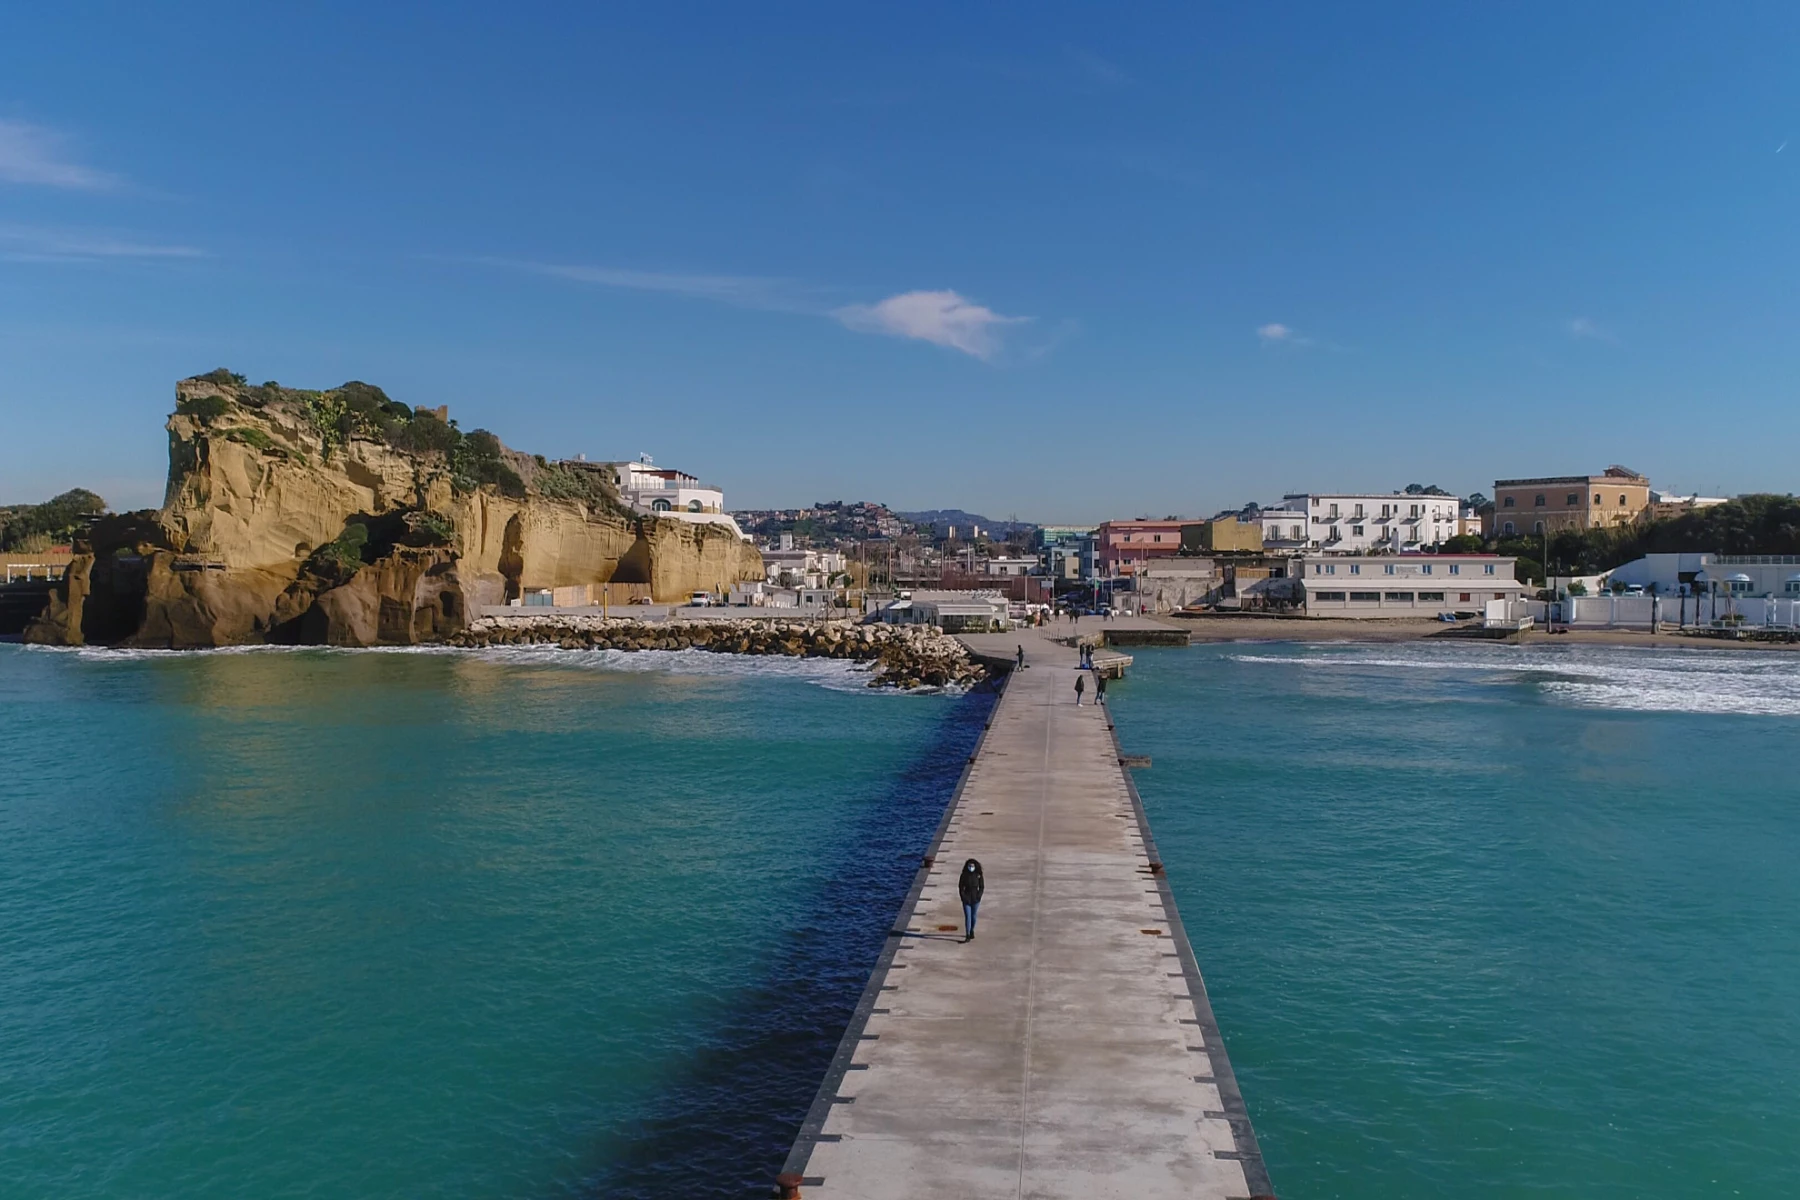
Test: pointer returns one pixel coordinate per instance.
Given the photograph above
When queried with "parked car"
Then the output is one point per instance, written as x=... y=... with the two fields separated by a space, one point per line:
x=700 y=600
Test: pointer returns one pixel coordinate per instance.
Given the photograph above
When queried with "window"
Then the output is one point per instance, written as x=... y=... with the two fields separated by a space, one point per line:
x=659 y=505
x=1356 y=531
x=1388 y=569
x=1436 y=597
x=1463 y=596
x=1328 y=595
x=1425 y=570
x=1400 y=597
x=1487 y=568
x=1741 y=587
x=1294 y=531
x=1157 y=537
x=694 y=506
x=1456 y=568
x=1415 y=510
x=1597 y=499
x=1358 y=513
x=1537 y=527
x=1539 y=502
x=1574 y=499
x=1508 y=503
x=1366 y=597
x=1509 y=529
x=1334 y=512
x=1621 y=501
x=1356 y=568
x=1793 y=587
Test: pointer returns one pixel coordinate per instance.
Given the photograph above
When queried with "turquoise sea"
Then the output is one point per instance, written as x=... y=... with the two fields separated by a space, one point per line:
x=1476 y=921
x=1491 y=921
x=515 y=924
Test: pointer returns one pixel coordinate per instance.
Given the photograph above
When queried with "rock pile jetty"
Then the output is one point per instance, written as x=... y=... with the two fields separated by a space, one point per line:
x=903 y=656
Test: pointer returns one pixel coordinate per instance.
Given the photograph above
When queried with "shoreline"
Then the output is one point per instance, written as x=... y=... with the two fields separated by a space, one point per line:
x=1210 y=630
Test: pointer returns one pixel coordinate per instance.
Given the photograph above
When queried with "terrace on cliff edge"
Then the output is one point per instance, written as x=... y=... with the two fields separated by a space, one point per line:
x=344 y=518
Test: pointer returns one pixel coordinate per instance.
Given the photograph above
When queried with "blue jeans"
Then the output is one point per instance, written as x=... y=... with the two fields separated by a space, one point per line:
x=969 y=918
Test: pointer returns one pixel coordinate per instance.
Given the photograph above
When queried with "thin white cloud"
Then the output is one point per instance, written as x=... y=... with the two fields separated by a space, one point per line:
x=1099 y=70
x=34 y=155
x=943 y=318
x=1277 y=334
x=1585 y=328
x=741 y=291
x=25 y=243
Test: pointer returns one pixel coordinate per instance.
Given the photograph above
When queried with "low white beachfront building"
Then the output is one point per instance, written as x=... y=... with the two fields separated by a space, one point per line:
x=953 y=612
x=1404 y=585
x=1359 y=523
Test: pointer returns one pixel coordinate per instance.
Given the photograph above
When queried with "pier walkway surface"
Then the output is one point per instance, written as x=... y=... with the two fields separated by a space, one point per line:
x=1069 y=1050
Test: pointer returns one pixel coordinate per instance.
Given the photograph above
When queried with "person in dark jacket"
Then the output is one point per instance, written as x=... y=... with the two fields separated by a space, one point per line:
x=1099 y=688
x=1021 y=656
x=1080 y=687
x=969 y=886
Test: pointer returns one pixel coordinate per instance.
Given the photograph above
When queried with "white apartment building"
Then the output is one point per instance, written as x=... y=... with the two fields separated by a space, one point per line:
x=1000 y=567
x=1384 y=522
x=663 y=492
x=1410 y=585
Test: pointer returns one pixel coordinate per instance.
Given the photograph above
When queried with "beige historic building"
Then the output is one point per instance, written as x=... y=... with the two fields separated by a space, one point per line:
x=1616 y=496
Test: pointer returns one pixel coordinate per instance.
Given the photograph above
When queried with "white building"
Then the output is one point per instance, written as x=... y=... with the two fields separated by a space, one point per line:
x=1007 y=568
x=953 y=612
x=1746 y=575
x=793 y=566
x=1410 y=585
x=664 y=492
x=1389 y=522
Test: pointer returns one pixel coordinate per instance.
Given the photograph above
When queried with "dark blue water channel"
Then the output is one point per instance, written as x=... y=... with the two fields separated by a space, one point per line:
x=522 y=924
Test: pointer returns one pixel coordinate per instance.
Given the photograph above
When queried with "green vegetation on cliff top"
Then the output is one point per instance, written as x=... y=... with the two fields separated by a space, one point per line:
x=31 y=527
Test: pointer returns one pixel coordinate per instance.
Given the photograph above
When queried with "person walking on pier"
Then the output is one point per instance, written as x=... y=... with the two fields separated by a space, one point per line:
x=1021 y=655
x=1080 y=687
x=1099 y=688
x=969 y=886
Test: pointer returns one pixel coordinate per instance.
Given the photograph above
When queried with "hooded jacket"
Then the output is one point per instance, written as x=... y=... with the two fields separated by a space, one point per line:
x=970 y=883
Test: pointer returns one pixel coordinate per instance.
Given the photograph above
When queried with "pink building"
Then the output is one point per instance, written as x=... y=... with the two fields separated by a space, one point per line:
x=1123 y=546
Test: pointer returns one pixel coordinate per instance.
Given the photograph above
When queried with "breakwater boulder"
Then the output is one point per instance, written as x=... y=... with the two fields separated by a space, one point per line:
x=903 y=656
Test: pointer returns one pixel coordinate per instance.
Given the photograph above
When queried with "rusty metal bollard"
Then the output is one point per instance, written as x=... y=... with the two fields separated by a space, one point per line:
x=788 y=1186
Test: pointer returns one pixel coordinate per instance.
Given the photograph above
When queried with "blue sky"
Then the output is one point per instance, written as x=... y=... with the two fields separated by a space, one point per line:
x=1048 y=261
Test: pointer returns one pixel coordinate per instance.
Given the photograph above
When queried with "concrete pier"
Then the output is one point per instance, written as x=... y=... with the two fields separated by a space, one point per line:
x=1069 y=1050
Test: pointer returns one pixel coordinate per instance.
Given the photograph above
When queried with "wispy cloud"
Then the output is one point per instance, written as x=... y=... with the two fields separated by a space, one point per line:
x=1099 y=70
x=1586 y=329
x=942 y=318
x=1277 y=334
x=741 y=291
x=38 y=156
x=25 y=243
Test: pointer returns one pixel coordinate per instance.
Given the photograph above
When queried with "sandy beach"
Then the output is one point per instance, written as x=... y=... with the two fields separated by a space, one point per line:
x=1326 y=629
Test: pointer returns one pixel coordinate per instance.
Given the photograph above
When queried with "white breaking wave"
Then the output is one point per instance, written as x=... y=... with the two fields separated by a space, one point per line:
x=835 y=674
x=1626 y=678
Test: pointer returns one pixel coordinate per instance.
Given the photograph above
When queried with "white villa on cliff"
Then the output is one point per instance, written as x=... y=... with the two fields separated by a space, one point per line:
x=665 y=492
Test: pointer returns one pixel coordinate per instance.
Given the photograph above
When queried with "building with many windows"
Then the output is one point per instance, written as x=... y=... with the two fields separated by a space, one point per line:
x=1351 y=523
x=1124 y=546
x=1616 y=496
x=1404 y=585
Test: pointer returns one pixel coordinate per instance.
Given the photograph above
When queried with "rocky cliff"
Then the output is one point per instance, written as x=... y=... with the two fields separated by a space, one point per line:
x=344 y=518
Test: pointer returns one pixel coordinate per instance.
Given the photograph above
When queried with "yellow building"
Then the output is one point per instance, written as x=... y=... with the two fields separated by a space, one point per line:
x=1222 y=535
x=1616 y=496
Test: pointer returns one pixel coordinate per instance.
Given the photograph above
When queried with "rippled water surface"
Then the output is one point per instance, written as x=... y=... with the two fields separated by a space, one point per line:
x=1490 y=921
x=516 y=924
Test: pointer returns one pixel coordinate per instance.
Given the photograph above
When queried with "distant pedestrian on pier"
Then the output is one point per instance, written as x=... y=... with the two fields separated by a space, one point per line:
x=1099 y=688
x=1080 y=687
x=969 y=886
x=1021 y=656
